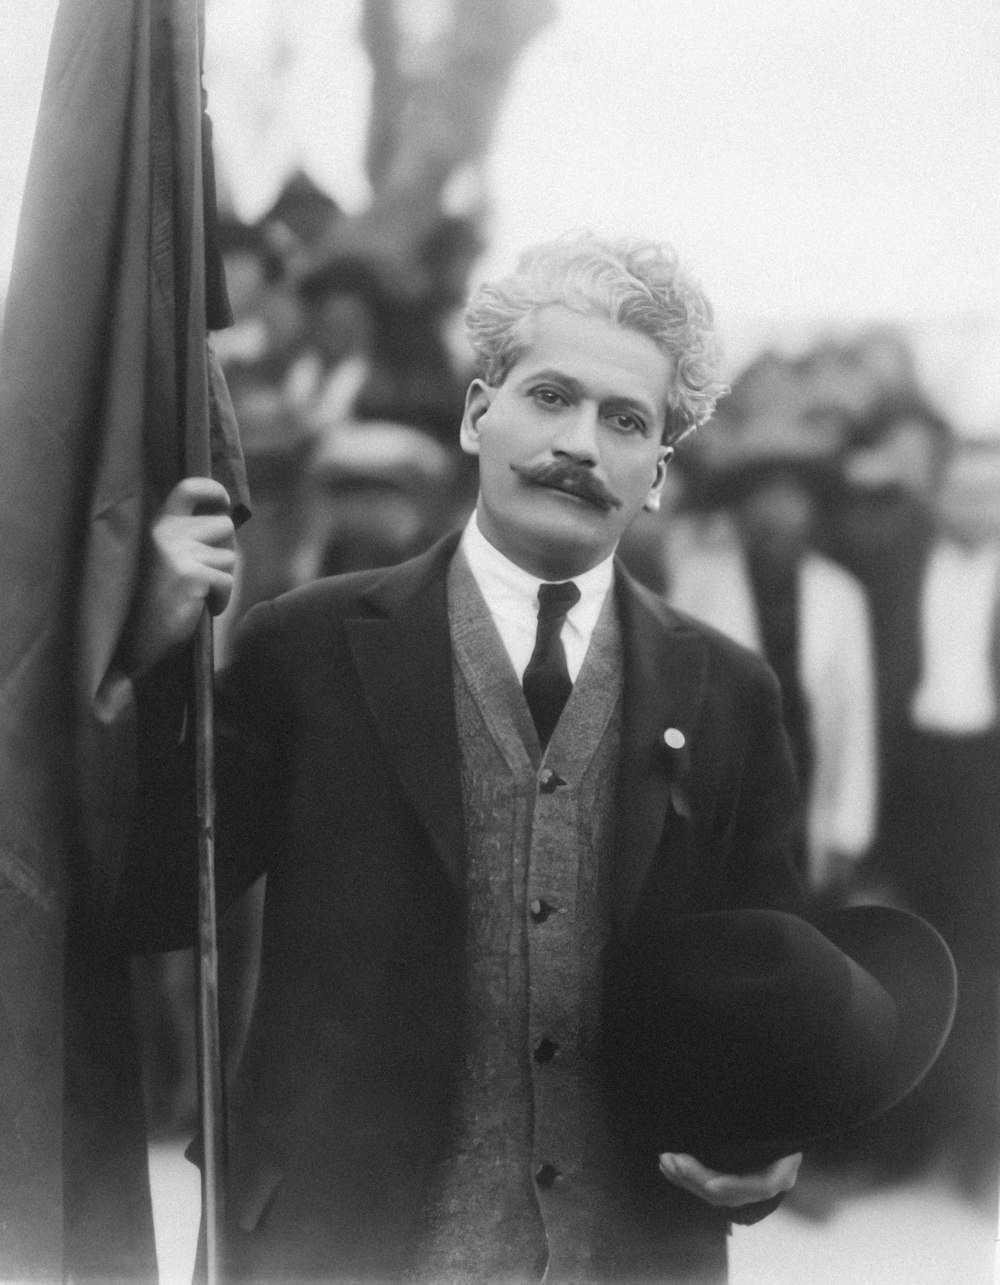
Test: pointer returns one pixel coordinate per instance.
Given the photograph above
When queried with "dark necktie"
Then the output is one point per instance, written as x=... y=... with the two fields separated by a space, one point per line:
x=546 y=681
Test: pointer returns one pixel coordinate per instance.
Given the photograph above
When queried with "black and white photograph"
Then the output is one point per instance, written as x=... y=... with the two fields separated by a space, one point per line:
x=499 y=642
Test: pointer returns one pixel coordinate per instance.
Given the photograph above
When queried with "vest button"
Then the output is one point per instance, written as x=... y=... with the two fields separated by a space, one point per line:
x=545 y=1175
x=545 y=1050
x=540 y=911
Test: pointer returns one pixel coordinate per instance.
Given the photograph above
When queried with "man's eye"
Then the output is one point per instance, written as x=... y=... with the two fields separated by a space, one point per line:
x=548 y=396
x=626 y=423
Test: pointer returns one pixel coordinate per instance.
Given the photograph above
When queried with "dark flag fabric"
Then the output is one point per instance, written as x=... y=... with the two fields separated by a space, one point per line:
x=108 y=395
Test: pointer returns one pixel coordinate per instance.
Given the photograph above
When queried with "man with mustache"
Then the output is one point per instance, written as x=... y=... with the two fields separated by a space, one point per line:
x=469 y=779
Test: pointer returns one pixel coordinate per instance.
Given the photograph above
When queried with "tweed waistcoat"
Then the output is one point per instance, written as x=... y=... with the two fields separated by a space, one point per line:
x=519 y=1187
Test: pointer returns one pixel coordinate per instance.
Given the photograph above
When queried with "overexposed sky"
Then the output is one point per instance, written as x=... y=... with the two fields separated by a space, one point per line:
x=836 y=163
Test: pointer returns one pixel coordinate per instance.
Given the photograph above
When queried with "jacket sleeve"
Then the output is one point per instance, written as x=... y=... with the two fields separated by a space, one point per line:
x=157 y=901
x=767 y=816
x=253 y=722
x=764 y=830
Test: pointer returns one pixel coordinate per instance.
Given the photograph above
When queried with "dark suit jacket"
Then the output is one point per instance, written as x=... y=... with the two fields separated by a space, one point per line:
x=338 y=768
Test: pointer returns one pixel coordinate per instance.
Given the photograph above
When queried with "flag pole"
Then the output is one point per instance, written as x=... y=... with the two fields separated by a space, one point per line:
x=193 y=363
x=211 y=1098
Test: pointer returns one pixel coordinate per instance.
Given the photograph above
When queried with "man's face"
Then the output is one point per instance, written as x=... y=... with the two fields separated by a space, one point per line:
x=570 y=444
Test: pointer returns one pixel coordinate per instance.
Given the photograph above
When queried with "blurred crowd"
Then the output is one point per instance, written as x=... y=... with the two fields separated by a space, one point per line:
x=830 y=517
x=834 y=519
x=323 y=343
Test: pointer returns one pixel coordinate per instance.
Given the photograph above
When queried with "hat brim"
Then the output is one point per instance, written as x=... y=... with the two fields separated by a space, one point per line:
x=912 y=964
x=911 y=960
x=726 y=483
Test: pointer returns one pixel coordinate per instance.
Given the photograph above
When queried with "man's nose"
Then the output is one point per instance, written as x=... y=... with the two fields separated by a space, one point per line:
x=576 y=436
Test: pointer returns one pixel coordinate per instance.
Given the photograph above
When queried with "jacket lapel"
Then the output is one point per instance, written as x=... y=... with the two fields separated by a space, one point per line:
x=665 y=674
x=403 y=658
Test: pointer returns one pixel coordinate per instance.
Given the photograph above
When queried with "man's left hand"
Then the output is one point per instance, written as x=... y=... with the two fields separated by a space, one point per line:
x=728 y=1190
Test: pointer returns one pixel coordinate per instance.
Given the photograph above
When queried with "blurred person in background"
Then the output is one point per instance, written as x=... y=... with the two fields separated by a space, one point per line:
x=416 y=376
x=340 y=303
x=940 y=841
x=749 y=566
x=300 y=217
x=743 y=557
x=911 y=525
x=881 y=529
x=837 y=455
x=377 y=345
x=266 y=333
x=378 y=493
x=413 y=1101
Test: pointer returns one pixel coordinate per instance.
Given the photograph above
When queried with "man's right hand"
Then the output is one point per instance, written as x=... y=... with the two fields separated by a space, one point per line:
x=192 y=557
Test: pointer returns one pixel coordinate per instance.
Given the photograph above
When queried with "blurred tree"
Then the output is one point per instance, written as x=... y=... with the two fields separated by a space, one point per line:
x=406 y=258
x=431 y=118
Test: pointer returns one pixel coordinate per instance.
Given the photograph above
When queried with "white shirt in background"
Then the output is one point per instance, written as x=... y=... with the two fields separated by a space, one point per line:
x=957 y=692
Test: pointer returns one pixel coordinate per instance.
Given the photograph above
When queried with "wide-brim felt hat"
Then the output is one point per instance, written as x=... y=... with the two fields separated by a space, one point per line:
x=757 y=1033
x=729 y=481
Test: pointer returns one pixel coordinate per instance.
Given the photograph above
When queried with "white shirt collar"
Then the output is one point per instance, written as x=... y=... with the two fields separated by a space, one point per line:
x=511 y=594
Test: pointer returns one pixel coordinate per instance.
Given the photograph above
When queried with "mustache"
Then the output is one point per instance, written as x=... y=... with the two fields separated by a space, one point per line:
x=574 y=479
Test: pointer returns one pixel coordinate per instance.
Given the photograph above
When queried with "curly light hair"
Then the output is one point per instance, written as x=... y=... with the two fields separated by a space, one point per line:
x=635 y=283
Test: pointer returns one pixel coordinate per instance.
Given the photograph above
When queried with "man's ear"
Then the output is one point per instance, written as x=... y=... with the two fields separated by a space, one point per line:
x=652 y=503
x=478 y=399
